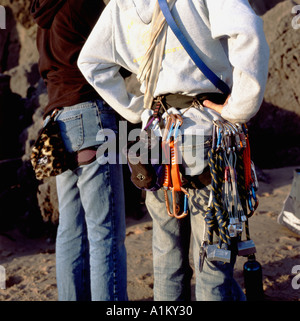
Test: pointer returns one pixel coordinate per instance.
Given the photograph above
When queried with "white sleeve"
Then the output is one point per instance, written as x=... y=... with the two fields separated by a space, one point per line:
x=97 y=62
x=248 y=53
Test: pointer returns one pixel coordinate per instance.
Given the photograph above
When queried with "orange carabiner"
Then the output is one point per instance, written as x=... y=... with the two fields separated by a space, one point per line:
x=172 y=180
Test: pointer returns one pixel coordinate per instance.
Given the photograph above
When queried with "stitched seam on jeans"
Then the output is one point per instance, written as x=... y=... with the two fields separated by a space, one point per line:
x=115 y=272
x=115 y=289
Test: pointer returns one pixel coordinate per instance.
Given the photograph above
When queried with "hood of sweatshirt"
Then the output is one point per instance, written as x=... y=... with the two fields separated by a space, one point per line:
x=144 y=9
x=44 y=11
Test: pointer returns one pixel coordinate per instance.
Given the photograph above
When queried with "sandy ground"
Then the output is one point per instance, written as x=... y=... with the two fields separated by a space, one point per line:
x=30 y=263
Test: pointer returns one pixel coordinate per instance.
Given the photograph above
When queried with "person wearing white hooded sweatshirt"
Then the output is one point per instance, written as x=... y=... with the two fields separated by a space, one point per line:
x=228 y=36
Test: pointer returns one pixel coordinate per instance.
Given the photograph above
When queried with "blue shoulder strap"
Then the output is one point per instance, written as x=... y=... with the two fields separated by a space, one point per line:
x=219 y=83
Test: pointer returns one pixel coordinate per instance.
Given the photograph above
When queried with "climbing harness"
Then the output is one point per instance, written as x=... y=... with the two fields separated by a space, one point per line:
x=233 y=183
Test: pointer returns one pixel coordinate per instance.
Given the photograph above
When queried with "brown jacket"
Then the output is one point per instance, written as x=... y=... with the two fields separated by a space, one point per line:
x=63 y=27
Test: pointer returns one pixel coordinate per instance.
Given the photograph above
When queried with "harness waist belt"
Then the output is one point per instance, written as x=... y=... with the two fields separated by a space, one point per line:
x=183 y=101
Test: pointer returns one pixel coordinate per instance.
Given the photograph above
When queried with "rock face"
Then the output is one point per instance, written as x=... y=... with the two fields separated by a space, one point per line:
x=22 y=98
x=274 y=131
x=284 y=76
x=11 y=108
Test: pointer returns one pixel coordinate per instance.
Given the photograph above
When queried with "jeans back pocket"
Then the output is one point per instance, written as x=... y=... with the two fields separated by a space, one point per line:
x=72 y=132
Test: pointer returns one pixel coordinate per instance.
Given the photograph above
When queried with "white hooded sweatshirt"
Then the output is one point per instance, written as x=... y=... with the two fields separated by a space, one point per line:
x=226 y=34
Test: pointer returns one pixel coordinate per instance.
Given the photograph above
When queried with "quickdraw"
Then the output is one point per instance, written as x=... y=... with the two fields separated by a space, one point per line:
x=172 y=179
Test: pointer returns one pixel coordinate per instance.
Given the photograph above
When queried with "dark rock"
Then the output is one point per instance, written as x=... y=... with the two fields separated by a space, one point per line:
x=275 y=130
x=274 y=135
x=262 y=6
x=11 y=107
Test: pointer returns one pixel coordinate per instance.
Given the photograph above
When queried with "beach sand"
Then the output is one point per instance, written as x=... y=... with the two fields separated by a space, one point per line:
x=30 y=263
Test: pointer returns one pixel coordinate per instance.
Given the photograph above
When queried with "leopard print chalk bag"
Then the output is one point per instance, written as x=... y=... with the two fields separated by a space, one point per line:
x=48 y=156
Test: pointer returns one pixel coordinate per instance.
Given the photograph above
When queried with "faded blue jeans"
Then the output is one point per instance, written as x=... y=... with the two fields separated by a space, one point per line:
x=90 y=250
x=171 y=244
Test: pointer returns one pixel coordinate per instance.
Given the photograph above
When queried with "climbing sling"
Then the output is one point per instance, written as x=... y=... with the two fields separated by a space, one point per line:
x=172 y=178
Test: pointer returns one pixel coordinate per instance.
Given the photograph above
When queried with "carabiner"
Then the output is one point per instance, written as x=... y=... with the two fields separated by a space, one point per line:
x=179 y=122
x=219 y=140
x=172 y=180
x=252 y=207
x=169 y=122
x=185 y=206
x=167 y=203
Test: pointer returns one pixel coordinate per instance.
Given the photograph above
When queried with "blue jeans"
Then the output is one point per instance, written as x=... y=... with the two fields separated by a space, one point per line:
x=90 y=250
x=171 y=245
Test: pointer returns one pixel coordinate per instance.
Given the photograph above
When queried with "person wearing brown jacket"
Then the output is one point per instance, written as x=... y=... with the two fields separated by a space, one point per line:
x=90 y=251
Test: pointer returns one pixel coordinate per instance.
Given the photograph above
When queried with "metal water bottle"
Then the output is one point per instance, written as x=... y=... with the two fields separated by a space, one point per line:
x=253 y=279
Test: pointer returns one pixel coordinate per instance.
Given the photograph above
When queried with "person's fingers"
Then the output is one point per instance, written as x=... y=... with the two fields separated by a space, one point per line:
x=226 y=101
x=211 y=105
